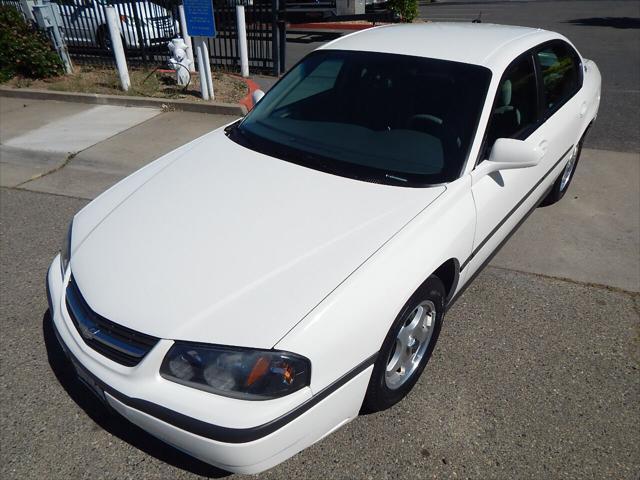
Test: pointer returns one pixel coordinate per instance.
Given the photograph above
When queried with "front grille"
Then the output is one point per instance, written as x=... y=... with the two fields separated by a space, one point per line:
x=118 y=343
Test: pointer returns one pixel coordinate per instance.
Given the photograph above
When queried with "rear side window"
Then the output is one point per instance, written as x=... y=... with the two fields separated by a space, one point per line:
x=516 y=105
x=561 y=75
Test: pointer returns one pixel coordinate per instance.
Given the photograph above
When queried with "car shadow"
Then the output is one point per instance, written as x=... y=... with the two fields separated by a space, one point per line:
x=615 y=22
x=111 y=421
x=498 y=178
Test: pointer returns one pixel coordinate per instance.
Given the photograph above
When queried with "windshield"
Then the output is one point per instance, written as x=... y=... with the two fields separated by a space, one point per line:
x=378 y=117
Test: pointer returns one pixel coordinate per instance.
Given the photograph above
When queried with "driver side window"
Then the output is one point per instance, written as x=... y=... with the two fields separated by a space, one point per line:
x=515 y=108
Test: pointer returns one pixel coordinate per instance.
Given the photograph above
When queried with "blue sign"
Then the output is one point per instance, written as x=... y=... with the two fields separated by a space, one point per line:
x=199 y=16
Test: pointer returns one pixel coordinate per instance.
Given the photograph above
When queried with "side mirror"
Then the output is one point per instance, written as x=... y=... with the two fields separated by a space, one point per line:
x=256 y=96
x=507 y=154
x=510 y=153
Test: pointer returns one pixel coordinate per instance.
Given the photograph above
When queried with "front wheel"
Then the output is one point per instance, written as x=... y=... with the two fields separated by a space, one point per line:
x=562 y=183
x=407 y=347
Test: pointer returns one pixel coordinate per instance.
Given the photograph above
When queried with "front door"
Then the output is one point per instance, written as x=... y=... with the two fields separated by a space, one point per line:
x=503 y=198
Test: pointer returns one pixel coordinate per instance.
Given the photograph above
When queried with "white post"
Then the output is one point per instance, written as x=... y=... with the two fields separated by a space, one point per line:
x=207 y=67
x=204 y=88
x=187 y=38
x=116 y=43
x=242 y=41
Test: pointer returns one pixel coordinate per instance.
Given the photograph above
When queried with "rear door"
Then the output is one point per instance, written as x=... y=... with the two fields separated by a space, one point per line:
x=563 y=103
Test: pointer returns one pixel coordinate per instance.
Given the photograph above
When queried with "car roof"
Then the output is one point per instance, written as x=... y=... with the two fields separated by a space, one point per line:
x=486 y=44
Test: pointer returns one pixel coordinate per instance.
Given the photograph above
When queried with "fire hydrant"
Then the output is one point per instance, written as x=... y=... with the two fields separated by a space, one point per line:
x=179 y=61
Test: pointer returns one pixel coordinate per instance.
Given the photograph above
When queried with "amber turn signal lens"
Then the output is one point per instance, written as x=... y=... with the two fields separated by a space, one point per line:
x=259 y=370
x=288 y=374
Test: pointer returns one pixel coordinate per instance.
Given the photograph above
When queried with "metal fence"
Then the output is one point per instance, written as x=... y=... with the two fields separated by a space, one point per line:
x=147 y=26
x=11 y=3
x=266 y=32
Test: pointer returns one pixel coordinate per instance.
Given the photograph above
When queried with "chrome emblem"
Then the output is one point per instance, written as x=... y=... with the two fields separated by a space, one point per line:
x=88 y=333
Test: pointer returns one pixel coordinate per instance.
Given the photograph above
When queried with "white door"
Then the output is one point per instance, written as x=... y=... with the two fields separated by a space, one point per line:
x=499 y=196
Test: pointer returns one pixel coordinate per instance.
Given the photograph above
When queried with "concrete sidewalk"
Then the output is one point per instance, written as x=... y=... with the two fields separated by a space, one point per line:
x=80 y=150
x=593 y=234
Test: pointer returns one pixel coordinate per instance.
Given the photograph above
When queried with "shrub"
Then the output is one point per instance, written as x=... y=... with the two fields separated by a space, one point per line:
x=407 y=9
x=25 y=50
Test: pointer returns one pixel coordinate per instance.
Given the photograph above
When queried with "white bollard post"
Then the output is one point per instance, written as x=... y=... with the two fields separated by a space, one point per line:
x=204 y=88
x=207 y=67
x=242 y=41
x=187 y=38
x=113 y=21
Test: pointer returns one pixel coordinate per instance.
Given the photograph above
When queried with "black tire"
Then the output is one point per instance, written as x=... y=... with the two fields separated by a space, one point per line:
x=379 y=396
x=558 y=190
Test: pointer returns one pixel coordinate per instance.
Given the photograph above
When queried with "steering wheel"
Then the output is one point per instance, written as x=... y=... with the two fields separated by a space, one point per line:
x=422 y=118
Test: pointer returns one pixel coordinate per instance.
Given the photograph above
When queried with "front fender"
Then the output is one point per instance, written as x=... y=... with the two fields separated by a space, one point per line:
x=350 y=324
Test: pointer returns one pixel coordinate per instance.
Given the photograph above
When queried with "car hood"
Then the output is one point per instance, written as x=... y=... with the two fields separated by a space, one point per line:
x=229 y=246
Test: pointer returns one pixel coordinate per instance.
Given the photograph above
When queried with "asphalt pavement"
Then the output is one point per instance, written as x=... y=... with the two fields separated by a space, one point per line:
x=536 y=371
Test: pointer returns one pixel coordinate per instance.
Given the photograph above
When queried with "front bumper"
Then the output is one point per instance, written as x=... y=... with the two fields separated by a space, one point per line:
x=231 y=434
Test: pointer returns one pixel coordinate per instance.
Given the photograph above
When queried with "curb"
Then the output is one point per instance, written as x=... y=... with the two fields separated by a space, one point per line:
x=126 y=101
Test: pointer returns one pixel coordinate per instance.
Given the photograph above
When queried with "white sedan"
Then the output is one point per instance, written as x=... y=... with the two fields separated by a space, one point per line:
x=142 y=23
x=247 y=294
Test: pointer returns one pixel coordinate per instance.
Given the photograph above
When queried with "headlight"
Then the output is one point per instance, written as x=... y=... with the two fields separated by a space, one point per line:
x=234 y=372
x=65 y=251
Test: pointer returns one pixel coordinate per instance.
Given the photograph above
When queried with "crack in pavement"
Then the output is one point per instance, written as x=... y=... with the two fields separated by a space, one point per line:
x=66 y=161
x=72 y=155
x=610 y=288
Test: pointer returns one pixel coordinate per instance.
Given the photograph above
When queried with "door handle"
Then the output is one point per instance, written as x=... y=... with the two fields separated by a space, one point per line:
x=542 y=148
x=583 y=109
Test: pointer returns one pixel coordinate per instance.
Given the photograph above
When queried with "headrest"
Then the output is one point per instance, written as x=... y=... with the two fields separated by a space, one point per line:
x=505 y=93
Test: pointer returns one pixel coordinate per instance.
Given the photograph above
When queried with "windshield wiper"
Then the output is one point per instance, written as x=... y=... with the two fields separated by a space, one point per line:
x=311 y=159
x=395 y=177
x=237 y=134
x=230 y=128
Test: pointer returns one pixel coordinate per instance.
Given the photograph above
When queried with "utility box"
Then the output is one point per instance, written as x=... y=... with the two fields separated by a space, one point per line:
x=350 y=7
x=47 y=15
x=27 y=9
x=48 y=18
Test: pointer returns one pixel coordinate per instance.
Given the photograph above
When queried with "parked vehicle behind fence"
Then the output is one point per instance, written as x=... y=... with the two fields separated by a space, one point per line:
x=143 y=24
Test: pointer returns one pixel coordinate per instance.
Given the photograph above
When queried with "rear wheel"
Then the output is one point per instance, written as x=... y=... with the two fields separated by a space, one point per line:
x=407 y=347
x=562 y=183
